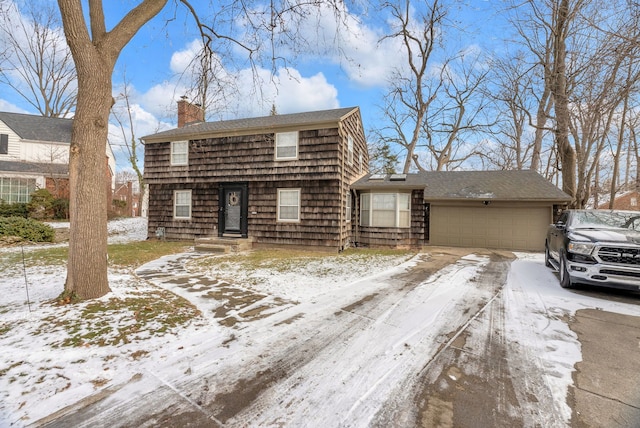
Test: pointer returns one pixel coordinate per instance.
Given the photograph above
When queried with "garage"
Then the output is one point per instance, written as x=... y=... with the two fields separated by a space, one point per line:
x=508 y=210
x=490 y=226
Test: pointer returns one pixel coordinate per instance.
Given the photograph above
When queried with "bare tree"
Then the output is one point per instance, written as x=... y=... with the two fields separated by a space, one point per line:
x=127 y=129
x=36 y=62
x=432 y=98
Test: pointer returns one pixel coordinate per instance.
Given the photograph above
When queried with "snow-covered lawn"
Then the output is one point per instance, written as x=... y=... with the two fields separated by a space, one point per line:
x=235 y=315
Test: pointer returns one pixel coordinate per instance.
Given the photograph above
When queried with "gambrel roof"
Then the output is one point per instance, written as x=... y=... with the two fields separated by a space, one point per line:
x=253 y=125
x=465 y=185
x=38 y=128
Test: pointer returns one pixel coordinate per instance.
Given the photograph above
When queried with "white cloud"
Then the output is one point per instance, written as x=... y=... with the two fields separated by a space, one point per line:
x=10 y=107
x=288 y=90
x=358 y=48
x=182 y=60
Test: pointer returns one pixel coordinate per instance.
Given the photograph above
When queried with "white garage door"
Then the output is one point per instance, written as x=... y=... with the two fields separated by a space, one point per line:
x=489 y=227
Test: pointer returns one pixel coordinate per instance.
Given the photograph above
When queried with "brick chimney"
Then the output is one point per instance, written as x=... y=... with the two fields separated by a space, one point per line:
x=188 y=113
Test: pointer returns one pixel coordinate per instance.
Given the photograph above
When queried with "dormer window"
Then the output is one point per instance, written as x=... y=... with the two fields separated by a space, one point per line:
x=179 y=153
x=287 y=145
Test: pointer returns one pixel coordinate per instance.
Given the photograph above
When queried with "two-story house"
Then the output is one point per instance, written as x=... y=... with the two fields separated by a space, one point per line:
x=279 y=180
x=34 y=154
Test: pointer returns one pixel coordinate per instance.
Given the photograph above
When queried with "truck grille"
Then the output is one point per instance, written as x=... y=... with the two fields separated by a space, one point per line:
x=620 y=255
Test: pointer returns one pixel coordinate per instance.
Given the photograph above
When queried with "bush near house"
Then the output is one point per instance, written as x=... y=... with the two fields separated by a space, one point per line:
x=13 y=210
x=26 y=228
x=43 y=206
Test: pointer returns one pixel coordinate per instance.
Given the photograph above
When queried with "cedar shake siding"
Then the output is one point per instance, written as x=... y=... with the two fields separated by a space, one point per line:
x=322 y=172
x=398 y=237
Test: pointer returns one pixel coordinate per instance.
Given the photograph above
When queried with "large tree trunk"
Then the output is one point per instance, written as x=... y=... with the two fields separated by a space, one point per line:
x=95 y=53
x=87 y=264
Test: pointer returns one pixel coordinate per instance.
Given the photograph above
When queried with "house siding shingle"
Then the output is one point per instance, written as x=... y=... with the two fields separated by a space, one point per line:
x=320 y=171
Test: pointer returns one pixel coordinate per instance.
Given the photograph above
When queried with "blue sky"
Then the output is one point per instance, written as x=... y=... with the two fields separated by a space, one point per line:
x=349 y=67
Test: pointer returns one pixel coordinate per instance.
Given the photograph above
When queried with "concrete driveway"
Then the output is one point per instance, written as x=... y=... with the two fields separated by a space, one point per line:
x=458 y=338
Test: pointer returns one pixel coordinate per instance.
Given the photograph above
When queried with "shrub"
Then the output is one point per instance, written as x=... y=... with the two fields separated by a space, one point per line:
x=29 y=229
x=41 y=205
x=13 y=210
x=61 y=209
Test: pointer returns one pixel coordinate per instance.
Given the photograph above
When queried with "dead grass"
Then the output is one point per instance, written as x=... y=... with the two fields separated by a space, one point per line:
x=116 y=321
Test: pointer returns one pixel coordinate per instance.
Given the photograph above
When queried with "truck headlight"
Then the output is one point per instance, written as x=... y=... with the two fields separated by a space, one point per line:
x=581 y=248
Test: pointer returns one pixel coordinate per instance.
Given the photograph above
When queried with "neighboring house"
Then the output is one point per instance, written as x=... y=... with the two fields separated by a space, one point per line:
x=485 y=209
x=126 y=202
x=625 y=201
x=278 y=180
x=34 y=154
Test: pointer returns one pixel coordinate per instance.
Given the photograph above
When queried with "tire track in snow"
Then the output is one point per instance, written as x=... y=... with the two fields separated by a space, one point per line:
x=385 y=341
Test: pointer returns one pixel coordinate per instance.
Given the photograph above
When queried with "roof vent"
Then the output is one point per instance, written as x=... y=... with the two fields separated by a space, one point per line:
x=398 y=177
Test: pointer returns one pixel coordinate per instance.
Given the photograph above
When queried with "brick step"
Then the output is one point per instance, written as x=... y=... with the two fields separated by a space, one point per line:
x=223 y=244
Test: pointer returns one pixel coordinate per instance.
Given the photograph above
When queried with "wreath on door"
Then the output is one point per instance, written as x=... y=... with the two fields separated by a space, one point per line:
x=234 y=198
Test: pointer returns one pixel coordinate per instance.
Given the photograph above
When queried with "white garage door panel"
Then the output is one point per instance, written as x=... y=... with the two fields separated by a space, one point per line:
x=489 y=227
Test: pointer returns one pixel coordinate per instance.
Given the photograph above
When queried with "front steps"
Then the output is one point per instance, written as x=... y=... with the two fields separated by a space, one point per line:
x=223 y=244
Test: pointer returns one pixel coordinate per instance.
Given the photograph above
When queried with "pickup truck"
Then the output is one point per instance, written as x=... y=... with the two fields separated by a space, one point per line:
x=596 y=247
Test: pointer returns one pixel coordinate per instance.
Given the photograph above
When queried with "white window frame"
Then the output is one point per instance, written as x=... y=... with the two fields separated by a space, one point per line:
x=348 y=208
x=288 y=220
x=176 y=155
x=349 y=149
x=282 y=140
x=176 y=204
x=368 y=210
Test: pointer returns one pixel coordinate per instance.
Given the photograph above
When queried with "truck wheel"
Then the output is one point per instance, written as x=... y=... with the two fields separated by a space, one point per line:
x=565 y=279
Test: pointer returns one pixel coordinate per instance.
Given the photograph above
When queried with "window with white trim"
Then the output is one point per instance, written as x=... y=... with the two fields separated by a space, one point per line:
x=361 y=162
x=289 y=205
x=182 y=204
x=287 y=145
x=14 y=190
x=348 y=207
x=179 y=153
x=385 y=209
x=350 y=150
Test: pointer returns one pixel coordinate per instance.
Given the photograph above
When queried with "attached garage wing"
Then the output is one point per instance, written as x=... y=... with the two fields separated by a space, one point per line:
x=489 y=226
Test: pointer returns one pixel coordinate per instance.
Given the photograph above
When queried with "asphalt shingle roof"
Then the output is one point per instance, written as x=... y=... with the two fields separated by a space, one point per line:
x=38 y=128
x=461 y=185
x=34 y=168
x=251 y=124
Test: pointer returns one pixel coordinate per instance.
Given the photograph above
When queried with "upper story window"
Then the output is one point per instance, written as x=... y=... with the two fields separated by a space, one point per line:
x=179 y=153
x=289 y=205
x=182 y=204
x=634 y=202
x=360 y=162
x=4 y=144
x=350 y=150
x=287 y=145
x=385 y=209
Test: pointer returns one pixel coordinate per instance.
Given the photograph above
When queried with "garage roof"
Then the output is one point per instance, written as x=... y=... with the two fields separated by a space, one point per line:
x=464 y=185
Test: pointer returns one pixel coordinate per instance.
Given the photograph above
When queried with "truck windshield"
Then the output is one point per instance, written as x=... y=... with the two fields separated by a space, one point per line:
x=606 y=219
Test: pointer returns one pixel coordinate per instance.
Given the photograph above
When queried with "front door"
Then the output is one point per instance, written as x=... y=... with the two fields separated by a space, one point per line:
x=233 y=211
